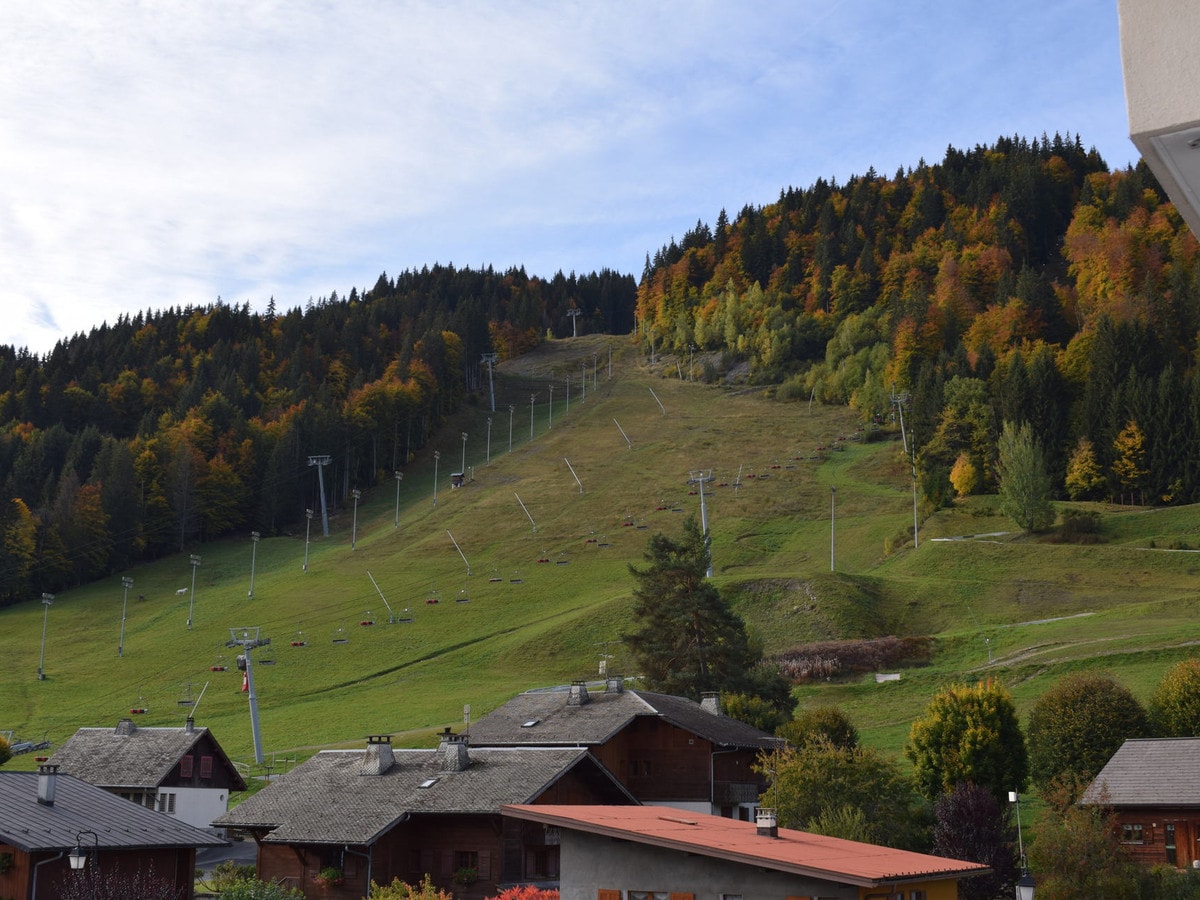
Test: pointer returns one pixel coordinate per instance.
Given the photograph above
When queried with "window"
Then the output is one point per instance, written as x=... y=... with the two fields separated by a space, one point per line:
x=166 y=803
x=206 y=766
x=466 y=859
x=1131 y=834
x=185 y=766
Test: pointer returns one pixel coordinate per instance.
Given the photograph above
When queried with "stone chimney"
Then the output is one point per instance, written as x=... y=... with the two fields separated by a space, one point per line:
x=614 y=684
x=47 y=784
x=710 y=702
x=378 y=758
x=765 y=820
x=452 y=752
x=578 y=695
x=125 y=726
x=189 y=726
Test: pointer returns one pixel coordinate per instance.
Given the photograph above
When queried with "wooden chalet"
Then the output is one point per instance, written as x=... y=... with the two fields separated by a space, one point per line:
x=182 y=772
x=384 y=814
x=45 y=816
x=1152 y=786
x=667 y=750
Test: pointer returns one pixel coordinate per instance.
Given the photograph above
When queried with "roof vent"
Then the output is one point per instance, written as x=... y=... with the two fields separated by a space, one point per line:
x=189 y=726
x=710 y=702
x=378 y=758
x=46 y=785
x=765 y=820
x=452 y=752
x=578 y=695
x=125 y=726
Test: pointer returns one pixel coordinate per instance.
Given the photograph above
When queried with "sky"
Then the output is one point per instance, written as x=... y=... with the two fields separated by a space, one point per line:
x=165 y=153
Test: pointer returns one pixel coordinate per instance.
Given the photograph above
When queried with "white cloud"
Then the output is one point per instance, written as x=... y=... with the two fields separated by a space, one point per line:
x=164 y=153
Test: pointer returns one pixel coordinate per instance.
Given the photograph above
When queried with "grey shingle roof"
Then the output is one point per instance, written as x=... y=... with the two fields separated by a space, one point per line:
x=126 y=757
x=557 y=723
x=79 y=806
x=329 y=799
x=1149 y=772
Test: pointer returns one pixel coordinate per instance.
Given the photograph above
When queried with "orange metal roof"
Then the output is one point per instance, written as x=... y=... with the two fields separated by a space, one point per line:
x=800 y=852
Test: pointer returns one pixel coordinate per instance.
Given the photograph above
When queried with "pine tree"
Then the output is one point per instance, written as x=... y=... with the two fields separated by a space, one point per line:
x=1023 y=483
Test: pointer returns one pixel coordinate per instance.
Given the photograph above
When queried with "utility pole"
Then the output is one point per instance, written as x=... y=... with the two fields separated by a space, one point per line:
x=321 y=462
x=126 y=583
x=248 y=640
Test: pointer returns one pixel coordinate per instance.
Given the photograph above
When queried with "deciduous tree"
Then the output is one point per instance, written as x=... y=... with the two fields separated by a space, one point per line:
x=1022 y=480
x=968 y=734
x=969 y=823
x=1175 y=704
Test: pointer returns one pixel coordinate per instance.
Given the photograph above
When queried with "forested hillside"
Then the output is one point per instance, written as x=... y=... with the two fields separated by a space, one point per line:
x=1021 y=282
x=165 y=428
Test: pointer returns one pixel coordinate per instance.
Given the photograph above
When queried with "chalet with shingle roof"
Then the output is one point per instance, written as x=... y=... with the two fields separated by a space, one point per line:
x=44 y=815
x=646 y=853
x=667 y=750
x=182 y=772
x=384 y=813
x=1153 y=788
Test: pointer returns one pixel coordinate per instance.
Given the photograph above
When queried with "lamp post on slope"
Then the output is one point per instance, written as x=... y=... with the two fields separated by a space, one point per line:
x=126 y=583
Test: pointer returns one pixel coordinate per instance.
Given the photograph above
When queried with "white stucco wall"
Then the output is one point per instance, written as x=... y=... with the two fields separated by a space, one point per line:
x=199 y=806
x=1160 y=54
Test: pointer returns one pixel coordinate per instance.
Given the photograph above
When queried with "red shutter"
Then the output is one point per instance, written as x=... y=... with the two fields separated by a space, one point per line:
x=185 y=766
x=602 y=894
x=206 y=766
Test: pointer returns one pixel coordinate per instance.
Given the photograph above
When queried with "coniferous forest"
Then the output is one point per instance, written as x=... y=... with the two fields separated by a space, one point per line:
x=1021 y=282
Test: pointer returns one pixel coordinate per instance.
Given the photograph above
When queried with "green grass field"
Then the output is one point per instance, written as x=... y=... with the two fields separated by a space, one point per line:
x=547 y=594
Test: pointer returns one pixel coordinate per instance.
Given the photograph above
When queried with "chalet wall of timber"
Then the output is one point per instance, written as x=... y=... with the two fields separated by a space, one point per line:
x=668 y=751
x=387 y=814
x=44 y=815
x=1152 y=786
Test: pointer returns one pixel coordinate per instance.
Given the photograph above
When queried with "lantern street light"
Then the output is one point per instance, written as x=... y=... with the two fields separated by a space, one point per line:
x=1025 y=883
x=195 y=561
x=356 y=494
x=399 y=478
x=47 y=599
x=126 y=583
x=78 y=857
x=308 y=514
x=254 y=536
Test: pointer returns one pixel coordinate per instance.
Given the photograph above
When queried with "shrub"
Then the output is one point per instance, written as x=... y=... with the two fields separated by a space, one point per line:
x=829 y=659
x=253 y=889
x=825 y=723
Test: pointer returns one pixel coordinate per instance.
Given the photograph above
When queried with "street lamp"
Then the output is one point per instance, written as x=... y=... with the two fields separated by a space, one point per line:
x=531 y=398
x=551 y=422
x=489 y=441
x=254 y=536
x=78 y=857
x=464 y=457
x=195 y=560
x=1025 y=883
x=308 y=514
x=437 y=454
x=583 y=381
x=47 y=599
x=356 y=494
x=400 y=478
x=126 y=583
x=511 y=409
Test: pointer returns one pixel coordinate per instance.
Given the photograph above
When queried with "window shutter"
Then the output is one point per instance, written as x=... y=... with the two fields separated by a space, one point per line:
x=206 y=763
x=675 y=896
x=602 y=894
x=185 y=766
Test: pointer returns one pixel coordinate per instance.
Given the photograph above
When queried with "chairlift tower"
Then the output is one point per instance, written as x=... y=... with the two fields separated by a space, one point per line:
x=126 y=583
x=490 y=359
x=249 y=639
x=702 y=477
x=574 y=314
x=321 y=462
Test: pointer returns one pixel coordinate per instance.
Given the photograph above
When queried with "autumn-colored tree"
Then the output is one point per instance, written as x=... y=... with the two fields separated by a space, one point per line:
x=1129 y=459
x=1084 y=477
x=964 y=476
x=968 y=734
x=5 y=751
x=851 y=792
x=1077 y=725
x=823 y=723
x=400 y=890
x=1175 y=703
x=526 y=892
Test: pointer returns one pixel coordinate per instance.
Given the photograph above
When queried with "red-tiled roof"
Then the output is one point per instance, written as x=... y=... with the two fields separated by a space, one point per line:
x=800 y=852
